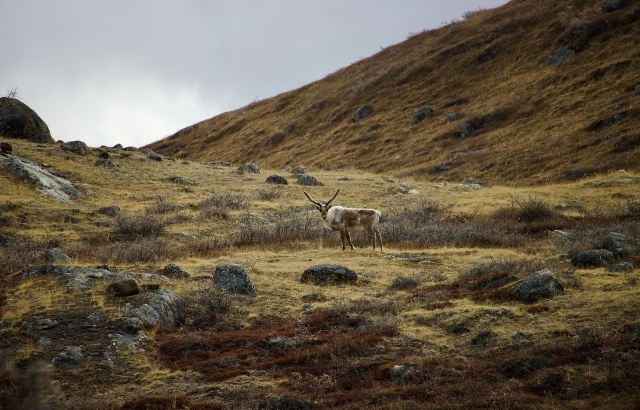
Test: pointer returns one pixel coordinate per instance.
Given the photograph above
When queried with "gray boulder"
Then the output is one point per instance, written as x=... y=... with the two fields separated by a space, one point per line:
x=76 y=278
x=621 y=245
x=72 y=356
x=250 y=168
x=328 y=274
x=174 y=271
x=17 y=120
x=424 y=112
x=561 y=54
x=592 y=258
x=276 y=179
x=620 y=267
x=234 y=278
x=539 y=285
x=308 y=180
x=124 y=287
x=362 y=112
x=162 y=307
x=299 y=170
x=55 y=255
x=77 y=147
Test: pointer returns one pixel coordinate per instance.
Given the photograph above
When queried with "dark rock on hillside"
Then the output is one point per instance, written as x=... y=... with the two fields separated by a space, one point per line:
x=563 y=53
x=250 y=168
x=123 y=287
x=174 y=271
x=362 y=113
x=109 y=210
x=626 y=143
x=621 y=245
x=308 y=180
x=162 y=307
x=77 y=278
x=452 y=117
x=620 y=267
x=55 y=255
x=613 y=6
x=276 y=179
x=572 y=174
x=77 y=147
x=592 y=258
x=539 y=285
x=424 y=112
x=6 y=148
x=466 y=130
x=17 y=120
x=299 y=170
x=328 y=274
x=234 y=278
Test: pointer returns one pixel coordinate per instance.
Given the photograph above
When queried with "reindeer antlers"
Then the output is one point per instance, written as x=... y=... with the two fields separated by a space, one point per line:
x=318 y=203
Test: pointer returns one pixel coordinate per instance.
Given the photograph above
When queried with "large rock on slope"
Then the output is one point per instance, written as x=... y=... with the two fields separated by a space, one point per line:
x=17 y=120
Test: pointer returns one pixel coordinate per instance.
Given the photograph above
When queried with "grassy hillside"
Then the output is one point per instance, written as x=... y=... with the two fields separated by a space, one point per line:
x=532 y=120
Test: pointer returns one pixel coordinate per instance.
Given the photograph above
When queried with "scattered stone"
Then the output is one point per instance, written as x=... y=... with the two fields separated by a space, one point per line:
x=179 y=180
x=621 y=245
x=362 y=113
x=43 y=324
x=299 y=170
x=250 y=168
x=626 y=143
x=308 y=180
x=328 y=274
x=17 y=120
x=6 y=148
x=174 y=271
x=574 y=174
x=424 y=112
x=452 y=117
x=104 y=155
x=97 y=317
x=124 y=287
x=77 y=147
x=592 y=258
x=131 y=325
x=186 y=236
x=154 y=157
x=109 y=210
x=444 y=167
x=405 y=372
x=72 y=356
x=276 y=179
x=475 y=181
x=466 y=130
x=146 y=314
x=234 y=278
x=55 y=255
x=101 y=162
x=77 y=278
x=563 y=53
x=538 y=285
x=620 y=267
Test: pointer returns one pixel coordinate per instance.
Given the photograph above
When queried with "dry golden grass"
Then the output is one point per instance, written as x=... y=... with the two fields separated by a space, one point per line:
x=413 y=304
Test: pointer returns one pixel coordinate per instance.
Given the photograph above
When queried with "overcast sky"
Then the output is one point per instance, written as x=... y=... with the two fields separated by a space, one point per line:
x=133 y=72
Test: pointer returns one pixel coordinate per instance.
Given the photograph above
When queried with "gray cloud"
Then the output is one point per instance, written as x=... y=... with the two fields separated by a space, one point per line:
x=133 y=72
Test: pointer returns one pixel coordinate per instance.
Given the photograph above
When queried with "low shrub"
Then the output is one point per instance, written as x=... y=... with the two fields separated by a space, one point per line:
x=140 y=224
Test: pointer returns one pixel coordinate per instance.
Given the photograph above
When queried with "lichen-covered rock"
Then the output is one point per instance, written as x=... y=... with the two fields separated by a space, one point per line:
x=17 y=120
x=539 y=285
x=328 y=274
x=234 y=278
x=592 y=258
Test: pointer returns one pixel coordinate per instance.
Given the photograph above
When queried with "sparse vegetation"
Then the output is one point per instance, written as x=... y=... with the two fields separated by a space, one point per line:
x=430 y=324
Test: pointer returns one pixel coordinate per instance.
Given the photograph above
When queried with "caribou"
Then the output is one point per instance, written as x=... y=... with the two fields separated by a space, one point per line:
x=348 y=220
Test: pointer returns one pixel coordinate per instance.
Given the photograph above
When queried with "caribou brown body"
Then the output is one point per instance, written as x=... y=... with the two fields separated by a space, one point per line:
x=348 y=220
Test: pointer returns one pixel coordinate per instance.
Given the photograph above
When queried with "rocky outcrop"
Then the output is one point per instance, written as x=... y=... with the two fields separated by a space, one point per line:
x=17 y=120
x=328 y=274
